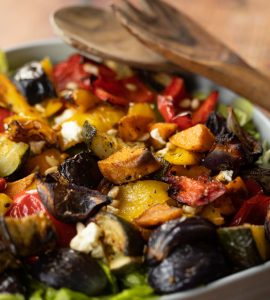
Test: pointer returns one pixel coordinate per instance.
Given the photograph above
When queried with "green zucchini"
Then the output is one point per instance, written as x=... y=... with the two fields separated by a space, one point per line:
x=12 y=155
x=240 y=247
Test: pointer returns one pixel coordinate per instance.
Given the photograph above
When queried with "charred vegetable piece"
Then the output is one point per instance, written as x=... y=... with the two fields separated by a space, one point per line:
x=252 y=148
x=11 y=282
x=239 y=246
x=267 y=224
x=186 y=267
x=195 y=192
x=122 y=239
x=25 y=129
x=217 y=124
x=260 y=174
x=175 y=233
x=81 y=169
x=128 y=164
x=69 y=202
x=225 y=156
x=70 y=269
x=33 y=83
x=7 y=257
x=28 y=236
x=12 y=156
x=157 y=215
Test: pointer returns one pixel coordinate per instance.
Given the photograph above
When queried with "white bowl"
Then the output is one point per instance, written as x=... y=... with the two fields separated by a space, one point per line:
x=245 y=285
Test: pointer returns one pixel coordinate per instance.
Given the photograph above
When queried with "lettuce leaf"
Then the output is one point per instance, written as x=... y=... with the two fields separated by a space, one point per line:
x=3 y=62
x=7 y=296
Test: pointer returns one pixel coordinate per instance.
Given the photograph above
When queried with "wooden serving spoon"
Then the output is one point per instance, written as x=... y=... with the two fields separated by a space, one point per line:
x=96 y=32
x=182 y=41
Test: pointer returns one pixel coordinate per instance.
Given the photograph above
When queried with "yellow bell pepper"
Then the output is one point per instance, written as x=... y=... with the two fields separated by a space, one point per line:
x=136 y=197
x=142 y=109
x=180 y=156
x=5 y=202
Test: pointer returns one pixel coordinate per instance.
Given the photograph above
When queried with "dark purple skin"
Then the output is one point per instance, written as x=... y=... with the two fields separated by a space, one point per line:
x=81 y=169
x=177 y=232
x=71 y=269
x=188 y=266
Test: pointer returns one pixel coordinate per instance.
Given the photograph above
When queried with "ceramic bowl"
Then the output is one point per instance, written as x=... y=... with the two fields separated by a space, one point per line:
x=250 y=284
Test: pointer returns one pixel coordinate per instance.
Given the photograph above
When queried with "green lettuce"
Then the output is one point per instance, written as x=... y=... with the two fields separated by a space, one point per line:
x=7 y=296
x=3 y=63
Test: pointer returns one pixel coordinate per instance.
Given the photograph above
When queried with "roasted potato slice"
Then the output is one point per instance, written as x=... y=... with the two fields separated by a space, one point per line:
x=128 y=164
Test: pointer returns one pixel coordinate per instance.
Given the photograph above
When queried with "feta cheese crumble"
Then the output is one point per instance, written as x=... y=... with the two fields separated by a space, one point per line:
x=71 y=132
x=87 y=240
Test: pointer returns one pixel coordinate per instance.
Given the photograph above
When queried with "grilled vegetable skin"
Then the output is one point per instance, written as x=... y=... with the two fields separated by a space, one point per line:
x=76 y=271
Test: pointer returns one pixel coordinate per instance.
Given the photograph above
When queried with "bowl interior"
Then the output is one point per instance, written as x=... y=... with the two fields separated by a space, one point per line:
x=246 y=285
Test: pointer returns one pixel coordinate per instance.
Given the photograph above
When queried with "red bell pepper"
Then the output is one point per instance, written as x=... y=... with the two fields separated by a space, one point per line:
x=122 y=92
x=74 y=70
x=253 y=210
x=4 y=113
x=168 y=103
x=195 y=192
x=28 y=203
x=203 y=112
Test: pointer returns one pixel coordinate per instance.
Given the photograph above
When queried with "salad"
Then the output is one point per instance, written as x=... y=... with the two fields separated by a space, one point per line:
x=118 y=183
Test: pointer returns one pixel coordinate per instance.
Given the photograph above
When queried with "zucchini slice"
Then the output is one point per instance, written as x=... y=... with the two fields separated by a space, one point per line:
x=12 y=155
x=240 y=247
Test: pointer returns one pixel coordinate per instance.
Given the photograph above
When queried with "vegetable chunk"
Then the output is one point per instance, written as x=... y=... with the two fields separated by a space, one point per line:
x=197 y=138
x=128 y=165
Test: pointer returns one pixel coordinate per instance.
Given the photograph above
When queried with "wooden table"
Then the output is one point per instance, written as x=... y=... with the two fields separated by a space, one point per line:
x=241 y=24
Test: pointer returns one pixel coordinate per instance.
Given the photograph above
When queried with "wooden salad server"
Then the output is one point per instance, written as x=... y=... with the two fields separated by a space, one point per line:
x=182 y=41
x=96 y=32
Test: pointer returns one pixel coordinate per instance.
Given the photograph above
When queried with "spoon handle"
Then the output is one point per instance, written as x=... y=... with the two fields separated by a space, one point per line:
x=182 y=41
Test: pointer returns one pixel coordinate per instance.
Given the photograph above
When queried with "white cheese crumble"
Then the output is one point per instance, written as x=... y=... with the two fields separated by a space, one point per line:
x=225 y=175
x=195 y=103
x=156 y=136
x=112 y=132
x=71 y=132
x=68 y=113
x=92 y=69
x=87 y=240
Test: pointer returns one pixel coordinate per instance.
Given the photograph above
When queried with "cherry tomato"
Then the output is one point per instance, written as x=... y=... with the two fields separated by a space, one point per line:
x=28 y=203
x=3 y=184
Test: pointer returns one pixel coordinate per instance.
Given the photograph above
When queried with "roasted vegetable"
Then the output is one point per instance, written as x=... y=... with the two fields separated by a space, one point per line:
x=157 y=215
x=122 y=240
x=41 y=163
x=5 y=202
x=11 y=282
x=15 y=187
x=128 y=165
x=136 y=197
x=180 y=156
x=69 y=202
x=14 y=100
x=186 y=267
x=189 y=171
x=251 y=147
x=195 y=192
x=26 y=129
x=160 y=132
x=217 y=124
x=28 y=236
x=70 y=269
x=12 y=156
x=81 y=169
x=225 y=156
x=175 y=233
x=132 y=128
x=33 y=83
x=239 y=246
x=197 y=138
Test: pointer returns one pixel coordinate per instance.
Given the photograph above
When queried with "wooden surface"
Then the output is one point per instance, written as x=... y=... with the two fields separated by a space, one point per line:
x=241 y=24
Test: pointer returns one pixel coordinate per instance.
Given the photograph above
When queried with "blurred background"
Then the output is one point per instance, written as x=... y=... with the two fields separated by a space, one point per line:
x=241 y=24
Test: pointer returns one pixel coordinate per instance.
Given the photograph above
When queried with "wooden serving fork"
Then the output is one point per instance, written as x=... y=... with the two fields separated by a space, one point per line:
x=182 y=41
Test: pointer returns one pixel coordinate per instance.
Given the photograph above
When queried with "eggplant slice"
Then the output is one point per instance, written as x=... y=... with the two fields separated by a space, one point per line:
x=69 y=202
x=81 y=169
x=66 y=268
